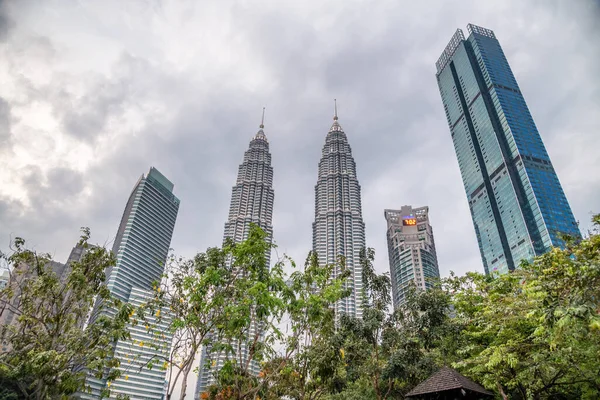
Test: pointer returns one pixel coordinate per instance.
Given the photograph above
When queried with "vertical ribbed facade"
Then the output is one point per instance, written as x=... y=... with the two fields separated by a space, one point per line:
x=411 y=250
x=141 y=247
x=518 y=206
x=148 y=339
x=252 y=200
x=339 y=229
x=144 y=235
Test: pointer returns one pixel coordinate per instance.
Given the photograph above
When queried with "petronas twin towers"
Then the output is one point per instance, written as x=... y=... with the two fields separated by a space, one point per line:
x=338 y=229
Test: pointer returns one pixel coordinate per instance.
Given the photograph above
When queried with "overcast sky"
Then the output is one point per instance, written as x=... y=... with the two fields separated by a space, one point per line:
x=93 y=93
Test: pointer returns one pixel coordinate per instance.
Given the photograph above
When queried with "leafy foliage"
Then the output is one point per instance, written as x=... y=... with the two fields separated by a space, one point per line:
x=48 y=348
x=296 y=365
x=249 y=314
x=535 y=333
x=388 y=354
x=309 y=363
x=196 y=293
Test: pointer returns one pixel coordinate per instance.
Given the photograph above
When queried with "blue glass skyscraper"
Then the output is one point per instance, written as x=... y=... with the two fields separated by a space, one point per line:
x=518 y=207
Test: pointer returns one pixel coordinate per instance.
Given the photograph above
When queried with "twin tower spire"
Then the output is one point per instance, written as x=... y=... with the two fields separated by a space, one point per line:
x=338 y=227
x=335 y=127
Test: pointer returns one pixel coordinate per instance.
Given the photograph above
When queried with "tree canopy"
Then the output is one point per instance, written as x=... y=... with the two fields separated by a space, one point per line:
x=48 y=347
x=533 y=333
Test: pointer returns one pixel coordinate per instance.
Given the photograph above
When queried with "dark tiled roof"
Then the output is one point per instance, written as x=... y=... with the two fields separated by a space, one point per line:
x=446 y=379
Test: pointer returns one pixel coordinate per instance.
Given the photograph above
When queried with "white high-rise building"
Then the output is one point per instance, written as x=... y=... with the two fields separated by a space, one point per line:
x=251 y=202
x=141 y=247
x=411 y=250
x=339 y=229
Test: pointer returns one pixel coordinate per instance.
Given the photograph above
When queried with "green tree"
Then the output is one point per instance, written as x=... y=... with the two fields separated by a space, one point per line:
x=48 y=349
x=387 y=354
x=308 y=366
x=195 y=292
x=300 y=365
x=247 y=314
x=9 y=390
x=535 y=333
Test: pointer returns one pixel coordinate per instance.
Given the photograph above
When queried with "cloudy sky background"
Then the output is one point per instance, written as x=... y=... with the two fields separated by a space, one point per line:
x=94 y=93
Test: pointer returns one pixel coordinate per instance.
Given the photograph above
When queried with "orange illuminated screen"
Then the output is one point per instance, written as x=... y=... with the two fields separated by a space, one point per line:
x=409 y=221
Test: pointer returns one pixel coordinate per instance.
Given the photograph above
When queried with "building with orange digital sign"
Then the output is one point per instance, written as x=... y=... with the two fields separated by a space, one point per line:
x=411 y=250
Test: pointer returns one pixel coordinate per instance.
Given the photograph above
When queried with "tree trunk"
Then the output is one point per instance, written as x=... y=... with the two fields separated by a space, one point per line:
x=501 y=390
x=186 y=373
x=184 y=385
x=40 y=392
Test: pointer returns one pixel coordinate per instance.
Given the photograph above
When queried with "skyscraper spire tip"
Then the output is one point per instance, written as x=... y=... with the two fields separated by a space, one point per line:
x=262 y=121
x=335 y=117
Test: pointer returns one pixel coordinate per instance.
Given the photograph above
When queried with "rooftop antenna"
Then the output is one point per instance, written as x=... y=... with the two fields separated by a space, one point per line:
x=335 y=117
x=262 y=121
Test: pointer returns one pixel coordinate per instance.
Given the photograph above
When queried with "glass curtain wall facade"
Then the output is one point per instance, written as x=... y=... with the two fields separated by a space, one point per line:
x=518 y=206
x=252 y=200
x=339 y=229
x=411 y=250
x=141 y=247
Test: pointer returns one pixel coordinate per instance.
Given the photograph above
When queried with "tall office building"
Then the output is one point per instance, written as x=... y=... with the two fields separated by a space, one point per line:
x=141 y=247
x=517 y=203
x=144 y=236
x=411 y=250
x=339 y=229
x=251 y=202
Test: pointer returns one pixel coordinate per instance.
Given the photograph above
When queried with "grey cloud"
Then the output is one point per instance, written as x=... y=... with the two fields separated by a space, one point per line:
x=32 y=178
x=4 y=123
x=51 y=190
x=47 y=222
x=132 y=82
x=65 y=182
x=6 y=22
x=87 y=117
x=377 y=60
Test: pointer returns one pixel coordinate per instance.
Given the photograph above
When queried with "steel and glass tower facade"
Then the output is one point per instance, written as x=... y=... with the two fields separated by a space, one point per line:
x=141 y=247
x=411 y=250
x=518 y=206
x=144 y=235
x=339 y=229
x=252 y=200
